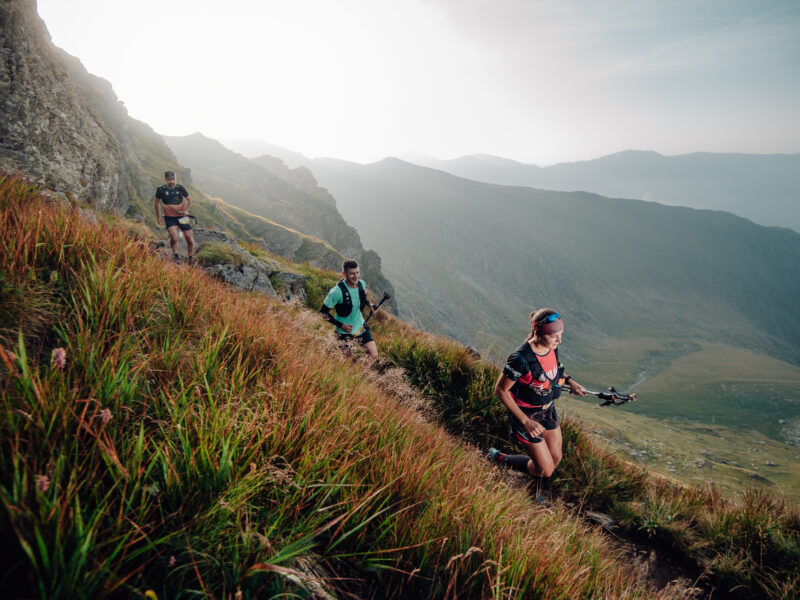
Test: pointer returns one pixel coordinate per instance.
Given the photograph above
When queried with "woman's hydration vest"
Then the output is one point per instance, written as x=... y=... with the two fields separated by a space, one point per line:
x=537 y=386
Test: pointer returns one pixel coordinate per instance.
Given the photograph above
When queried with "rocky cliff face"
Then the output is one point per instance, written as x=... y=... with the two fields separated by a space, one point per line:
x=144 y=154
x=48 y=129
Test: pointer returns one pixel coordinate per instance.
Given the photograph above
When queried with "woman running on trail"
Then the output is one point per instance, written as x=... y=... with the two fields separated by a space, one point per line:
x=527 y=387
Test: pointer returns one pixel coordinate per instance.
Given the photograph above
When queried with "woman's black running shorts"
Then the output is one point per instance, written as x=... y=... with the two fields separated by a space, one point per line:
x=547 y=417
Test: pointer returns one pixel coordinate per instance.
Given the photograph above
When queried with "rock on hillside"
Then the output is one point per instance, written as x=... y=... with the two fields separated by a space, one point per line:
x=220 y=255
x=48 y=129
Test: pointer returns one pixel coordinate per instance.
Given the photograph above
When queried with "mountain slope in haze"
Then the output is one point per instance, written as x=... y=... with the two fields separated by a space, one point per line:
x=641 y=284
x=65 y=128
x=762 y=188
x=265 y=186
x=256 y=148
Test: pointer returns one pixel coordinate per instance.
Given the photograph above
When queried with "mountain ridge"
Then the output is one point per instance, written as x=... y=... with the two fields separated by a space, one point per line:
x=759 y=187
x=762 y=187
x=244 y=440
x=180 y=416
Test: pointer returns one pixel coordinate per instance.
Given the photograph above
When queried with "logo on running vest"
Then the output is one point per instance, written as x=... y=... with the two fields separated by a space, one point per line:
x=539 y=388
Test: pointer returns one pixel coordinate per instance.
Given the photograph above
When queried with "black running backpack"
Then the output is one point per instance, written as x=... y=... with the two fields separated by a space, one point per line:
x=346 y=306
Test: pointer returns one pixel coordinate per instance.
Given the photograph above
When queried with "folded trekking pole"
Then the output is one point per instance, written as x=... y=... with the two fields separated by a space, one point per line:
x=386 y=296
x=611 y=398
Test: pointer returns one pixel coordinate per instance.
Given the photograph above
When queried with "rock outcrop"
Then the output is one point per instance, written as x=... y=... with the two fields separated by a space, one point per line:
x=48 y=129
x=221 y=256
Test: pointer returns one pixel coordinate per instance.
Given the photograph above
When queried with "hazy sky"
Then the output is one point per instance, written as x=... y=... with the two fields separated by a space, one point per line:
x=537 y=81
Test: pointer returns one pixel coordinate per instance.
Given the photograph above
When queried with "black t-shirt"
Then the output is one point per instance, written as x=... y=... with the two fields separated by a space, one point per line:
x=172 y=196
x=534 y=376
x=172 y=199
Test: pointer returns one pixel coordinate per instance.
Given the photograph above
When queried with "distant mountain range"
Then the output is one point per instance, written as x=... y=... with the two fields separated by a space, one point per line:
x=256 y=148
x=643 y=286
x=762 y=188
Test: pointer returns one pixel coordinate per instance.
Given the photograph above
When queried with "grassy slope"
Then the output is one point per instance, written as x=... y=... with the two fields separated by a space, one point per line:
x=197 y=441
x=692 y=453
x=196 y=423
x=746 y=546
x=708 y=383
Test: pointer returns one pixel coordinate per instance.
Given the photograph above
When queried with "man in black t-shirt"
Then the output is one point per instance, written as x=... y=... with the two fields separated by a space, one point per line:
x=176 y=201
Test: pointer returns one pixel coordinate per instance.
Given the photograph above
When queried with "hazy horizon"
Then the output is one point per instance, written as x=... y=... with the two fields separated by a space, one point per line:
x=412 y=155
x=536 y=82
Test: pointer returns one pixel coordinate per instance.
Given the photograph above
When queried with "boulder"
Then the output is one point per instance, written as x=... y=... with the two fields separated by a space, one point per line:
x=243 y=277
x=290 y=286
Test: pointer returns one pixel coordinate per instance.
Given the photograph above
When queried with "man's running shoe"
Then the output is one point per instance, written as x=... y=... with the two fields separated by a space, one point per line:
x=191 y=260
x=494 y=455
x=176 y=258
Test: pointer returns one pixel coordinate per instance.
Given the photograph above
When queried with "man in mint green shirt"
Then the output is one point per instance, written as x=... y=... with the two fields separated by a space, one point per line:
x=348 y=298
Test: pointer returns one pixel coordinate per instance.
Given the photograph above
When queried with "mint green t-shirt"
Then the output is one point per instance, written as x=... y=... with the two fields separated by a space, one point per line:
x=355 y=318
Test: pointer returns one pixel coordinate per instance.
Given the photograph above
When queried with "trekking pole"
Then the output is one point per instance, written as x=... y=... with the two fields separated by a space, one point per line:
x=611 y=398
x=386 y=296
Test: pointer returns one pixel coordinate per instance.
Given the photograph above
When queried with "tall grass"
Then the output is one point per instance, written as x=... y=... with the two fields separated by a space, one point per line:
x=746 y=547
x=199 y=441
